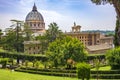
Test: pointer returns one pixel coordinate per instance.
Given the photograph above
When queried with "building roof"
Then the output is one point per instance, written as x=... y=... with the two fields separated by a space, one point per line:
x=82 y=33
x=99 y=47
x=34 y=15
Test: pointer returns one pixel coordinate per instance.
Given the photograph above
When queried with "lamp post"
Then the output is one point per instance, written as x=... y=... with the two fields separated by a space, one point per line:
x=18 y=24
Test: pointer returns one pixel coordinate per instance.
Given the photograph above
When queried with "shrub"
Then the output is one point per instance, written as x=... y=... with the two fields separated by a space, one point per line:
x=83 y=71
x=113 y=57
x=4 y=62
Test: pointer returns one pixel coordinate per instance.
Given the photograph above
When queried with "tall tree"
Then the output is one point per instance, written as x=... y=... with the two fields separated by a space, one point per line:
x=9 y=41
x=1 y=34
x=68 y=48
x=53 y=32
x=116 y=4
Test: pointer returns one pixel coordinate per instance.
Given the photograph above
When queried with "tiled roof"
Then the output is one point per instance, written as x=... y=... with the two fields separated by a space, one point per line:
x=99 y=47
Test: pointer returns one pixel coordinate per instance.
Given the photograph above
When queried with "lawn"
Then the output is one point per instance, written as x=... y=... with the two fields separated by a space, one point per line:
x=105 y=68
x=9 y=75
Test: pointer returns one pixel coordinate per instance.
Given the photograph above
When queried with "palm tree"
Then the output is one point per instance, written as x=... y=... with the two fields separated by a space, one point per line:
x=53 y=32
x=116 y=4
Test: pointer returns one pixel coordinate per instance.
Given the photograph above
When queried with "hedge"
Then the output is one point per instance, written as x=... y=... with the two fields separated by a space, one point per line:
x=113 y=74
x=50 y=70
x=48 y=73
x=23 y=56
x=106 y=72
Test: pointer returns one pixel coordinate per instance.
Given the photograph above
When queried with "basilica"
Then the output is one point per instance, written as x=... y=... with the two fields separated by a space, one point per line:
x=35 y=20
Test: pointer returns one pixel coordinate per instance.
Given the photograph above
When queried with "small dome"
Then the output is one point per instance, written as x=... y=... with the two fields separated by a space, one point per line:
x=34 y=15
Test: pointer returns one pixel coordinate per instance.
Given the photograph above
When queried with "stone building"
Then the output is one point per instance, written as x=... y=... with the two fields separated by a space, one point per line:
x=32 y=47
x=94 y=42
x=87 y=38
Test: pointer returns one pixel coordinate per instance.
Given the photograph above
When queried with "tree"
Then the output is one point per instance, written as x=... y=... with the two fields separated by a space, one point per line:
x=9 y=42
x=68 y=48
x=51 y=35
x=53 y=32
x=1 y=34
x=83 y=71
x=116 y=4
x=28 y=32
x=0 y=37
x=113 y=57
x=97 y=65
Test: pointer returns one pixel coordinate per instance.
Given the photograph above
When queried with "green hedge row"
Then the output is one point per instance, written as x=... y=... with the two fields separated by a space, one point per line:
x=50 y=70
x=107 y=76
x=104 y=75
x=38 y=57
x=71 y=71
x=99 y=56
x=48 y=73
x=23 y=56
x=106 y=72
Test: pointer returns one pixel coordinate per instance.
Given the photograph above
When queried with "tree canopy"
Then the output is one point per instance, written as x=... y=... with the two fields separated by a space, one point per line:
x=62 y=50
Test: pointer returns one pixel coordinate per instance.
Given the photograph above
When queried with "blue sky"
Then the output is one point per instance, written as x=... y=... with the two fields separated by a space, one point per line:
x=63 y=12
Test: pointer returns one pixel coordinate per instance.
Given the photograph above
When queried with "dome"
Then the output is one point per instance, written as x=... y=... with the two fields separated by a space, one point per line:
x=34 y=15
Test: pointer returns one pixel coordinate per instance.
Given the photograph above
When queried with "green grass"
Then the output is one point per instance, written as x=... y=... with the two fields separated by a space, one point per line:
x=105 y=68
x=9 y=75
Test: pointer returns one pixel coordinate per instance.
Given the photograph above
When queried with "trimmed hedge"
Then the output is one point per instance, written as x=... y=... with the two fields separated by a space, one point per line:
x=48 y=73
x=113 y=74
x=92 y=57
x=50 y=70
x=106 y=72
x=106 y=76
x=23 y=56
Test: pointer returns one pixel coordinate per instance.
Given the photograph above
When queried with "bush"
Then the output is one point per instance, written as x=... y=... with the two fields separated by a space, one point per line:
x=113 y=57
x=4 y=62
x=83 y=71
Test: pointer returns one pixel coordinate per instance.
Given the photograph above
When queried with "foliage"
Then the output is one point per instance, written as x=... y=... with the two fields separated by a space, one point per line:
x=26 y=63
x=3 y=61
x=113 y=57
x=23 y=56
x=97 y=65
x=61 y=50
x=83 y=71
x=27 y=32
x=10 y=42
x=116 y=40
x=51 y=35
x=37 y=63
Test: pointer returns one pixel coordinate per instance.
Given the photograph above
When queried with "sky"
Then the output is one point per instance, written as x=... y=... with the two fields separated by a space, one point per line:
x=64 y=12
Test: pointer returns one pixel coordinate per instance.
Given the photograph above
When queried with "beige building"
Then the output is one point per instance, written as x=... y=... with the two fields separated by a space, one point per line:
x=32 y=47
x=87 y=38
x=94 y=41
